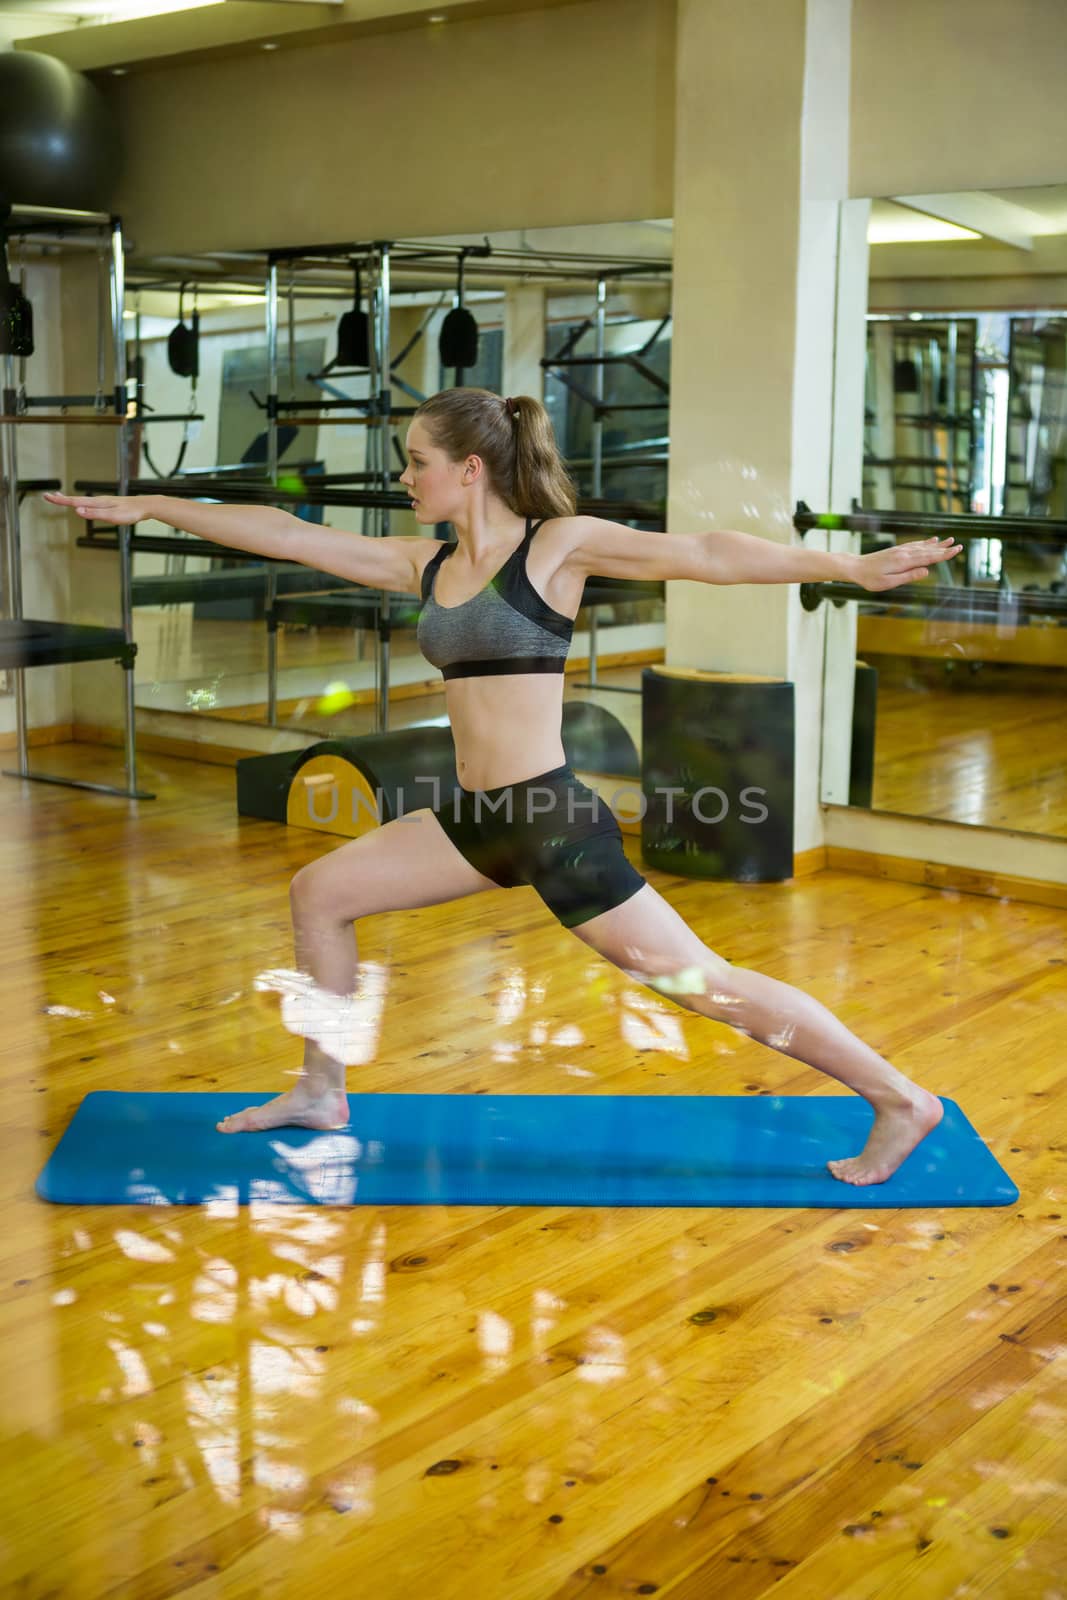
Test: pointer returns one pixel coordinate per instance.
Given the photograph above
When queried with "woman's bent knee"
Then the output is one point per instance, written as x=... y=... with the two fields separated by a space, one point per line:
x=310 y=893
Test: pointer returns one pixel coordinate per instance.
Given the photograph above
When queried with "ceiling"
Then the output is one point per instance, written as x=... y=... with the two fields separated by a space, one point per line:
x=28 y=17
x=1018 y=217
x=122 y=35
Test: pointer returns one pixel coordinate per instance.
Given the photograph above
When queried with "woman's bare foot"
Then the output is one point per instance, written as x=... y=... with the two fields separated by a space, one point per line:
x=297 y=1109
x=896 y=1132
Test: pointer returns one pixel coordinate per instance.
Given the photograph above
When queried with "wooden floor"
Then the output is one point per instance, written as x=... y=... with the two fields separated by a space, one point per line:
x=514 y=1404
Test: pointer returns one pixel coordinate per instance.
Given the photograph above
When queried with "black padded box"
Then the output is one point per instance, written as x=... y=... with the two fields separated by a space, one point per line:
x=717 y=774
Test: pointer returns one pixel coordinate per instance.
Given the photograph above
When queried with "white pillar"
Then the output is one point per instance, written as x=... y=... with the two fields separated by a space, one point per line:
x=761 y=168
x=524 y=340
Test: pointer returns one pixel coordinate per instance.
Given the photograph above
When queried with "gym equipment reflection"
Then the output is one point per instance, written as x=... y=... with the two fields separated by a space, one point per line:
x=515 y=304
x=970 y=673
x=959 y=687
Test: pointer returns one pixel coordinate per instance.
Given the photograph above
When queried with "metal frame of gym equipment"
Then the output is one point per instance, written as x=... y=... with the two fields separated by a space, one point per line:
x=379 y=256
x=28 y=642
x=1052 y=382
x=416 y=259
x=932 y=418
x=380 y=414
x=599 y=360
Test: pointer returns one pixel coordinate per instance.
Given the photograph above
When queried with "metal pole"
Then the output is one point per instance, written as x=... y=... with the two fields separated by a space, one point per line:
x=598 y=448
x=292 y=332
x=272 y=637
x=272 y=675
x=384 y=431
x=272 y=372
x=370 y=455
x=598 y=388
x=117 y=284
x=14 y=560
x=272 y=461
x=953 y=432
x=60 y=214
x=22 y=359
x=369 y=519
x=105 y=305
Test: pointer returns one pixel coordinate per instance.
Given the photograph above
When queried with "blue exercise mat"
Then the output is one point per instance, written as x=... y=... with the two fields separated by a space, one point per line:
x=521 y=1150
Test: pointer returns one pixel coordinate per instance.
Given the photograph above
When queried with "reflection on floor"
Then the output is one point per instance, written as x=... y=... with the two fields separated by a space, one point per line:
x=986 y=747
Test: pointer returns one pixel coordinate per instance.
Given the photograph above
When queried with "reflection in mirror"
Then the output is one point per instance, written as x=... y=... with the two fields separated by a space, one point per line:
x=919 y=415
x=960 y=710
x=577 y=316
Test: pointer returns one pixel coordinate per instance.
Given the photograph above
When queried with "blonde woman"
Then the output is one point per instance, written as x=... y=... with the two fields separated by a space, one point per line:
x=497 y=618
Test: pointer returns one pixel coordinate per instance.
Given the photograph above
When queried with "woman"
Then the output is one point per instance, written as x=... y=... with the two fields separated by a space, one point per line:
x=497 y=617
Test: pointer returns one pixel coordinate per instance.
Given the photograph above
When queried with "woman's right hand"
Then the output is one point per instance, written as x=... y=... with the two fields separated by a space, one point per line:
x=120 y=509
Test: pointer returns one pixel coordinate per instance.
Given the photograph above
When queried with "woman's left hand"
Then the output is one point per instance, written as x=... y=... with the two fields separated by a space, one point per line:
x=902 y=563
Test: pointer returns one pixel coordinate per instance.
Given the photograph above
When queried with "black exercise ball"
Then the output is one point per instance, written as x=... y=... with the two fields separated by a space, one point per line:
x=59 y=141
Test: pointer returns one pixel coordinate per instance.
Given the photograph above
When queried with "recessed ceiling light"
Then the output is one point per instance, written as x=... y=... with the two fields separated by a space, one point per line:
x=437 y=16
x=268 y=47
x=119 y=72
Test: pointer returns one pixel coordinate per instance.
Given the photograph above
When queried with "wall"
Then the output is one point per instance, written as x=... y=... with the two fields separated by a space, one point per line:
x=516 y=121
x=754 y=333
x=969 y=276
x=957 y=94
x=556 y=117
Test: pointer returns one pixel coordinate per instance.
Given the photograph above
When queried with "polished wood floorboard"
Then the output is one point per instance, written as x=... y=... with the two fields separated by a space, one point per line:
x=514 y=1403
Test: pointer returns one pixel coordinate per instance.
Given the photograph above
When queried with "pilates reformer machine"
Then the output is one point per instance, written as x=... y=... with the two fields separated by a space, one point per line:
x=27 y=641
x=561 y=365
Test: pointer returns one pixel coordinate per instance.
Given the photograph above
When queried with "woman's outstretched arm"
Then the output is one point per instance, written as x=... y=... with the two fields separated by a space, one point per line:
x=387 y=563
x=612 y=550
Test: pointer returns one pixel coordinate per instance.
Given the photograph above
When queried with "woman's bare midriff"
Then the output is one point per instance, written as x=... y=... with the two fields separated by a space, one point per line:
x=506 y=729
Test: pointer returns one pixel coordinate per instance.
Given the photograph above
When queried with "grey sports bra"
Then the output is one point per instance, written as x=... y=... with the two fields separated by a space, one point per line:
x=506 y=628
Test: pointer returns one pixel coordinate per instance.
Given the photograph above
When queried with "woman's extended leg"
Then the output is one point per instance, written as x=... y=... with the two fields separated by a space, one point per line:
x=407 y=863
x=647 y=938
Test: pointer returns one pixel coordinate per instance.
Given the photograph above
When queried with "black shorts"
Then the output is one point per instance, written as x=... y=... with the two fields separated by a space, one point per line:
x=552 y=832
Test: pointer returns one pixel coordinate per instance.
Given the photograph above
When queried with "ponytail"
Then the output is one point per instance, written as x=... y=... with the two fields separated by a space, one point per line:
x=515 y=440
x=542 y=486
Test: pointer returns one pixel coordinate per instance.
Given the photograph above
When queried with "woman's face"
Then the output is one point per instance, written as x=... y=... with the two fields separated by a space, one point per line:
x=434 y=482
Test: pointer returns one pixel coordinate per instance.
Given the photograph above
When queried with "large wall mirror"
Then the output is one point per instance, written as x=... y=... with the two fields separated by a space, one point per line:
x=577 y=316
x=960 y=695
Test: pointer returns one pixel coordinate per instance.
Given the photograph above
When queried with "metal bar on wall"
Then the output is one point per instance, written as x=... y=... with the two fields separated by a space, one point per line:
x=272 y=372
x=13 y=543
x=117 y=288
x=384 y=431
x=598 y=447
